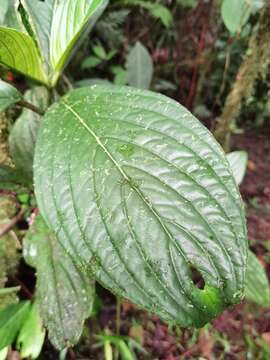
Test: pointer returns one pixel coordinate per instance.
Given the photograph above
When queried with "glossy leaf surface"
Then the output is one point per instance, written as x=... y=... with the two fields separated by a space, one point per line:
x=20 y=53
x=23 y=135
x=9 y=95
x=139 y=193
x=64 y=295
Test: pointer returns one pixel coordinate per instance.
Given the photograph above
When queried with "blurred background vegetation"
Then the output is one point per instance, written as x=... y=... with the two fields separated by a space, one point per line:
x=213 y=57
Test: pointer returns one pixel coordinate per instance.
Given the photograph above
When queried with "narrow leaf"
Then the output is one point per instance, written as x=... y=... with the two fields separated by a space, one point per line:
x=238 y=162
x=139 y=67
x=139 y=193
x=9 y=95
x=64 y=295
x=32 y=335
x=23 y=135
x=257 y=288
x=11 y=321
x=18 y=51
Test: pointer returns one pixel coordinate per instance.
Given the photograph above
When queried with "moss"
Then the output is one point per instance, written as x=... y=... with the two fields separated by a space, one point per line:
x=9 y=254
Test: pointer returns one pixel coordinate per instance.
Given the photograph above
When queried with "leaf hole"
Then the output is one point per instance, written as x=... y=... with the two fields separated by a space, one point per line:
x=197 y=278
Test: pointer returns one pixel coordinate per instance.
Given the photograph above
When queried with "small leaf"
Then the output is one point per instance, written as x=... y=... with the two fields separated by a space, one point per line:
x=9 y=95
x=19 y=52
x=139 y=193
x=90 y=62
x=257 y=284
x=139 y=67
x=120 y=75
x=64 y=295
x=238 y=162
x=23 y=135
x=235 y=14
x=100 y=51
x=11 y=320
x=32 y=335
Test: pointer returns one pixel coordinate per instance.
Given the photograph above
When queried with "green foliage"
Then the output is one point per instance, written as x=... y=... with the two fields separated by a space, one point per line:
x=23 y=135
x=123 y=344
x=11 y=320
x=38 y=52
x=67 y=299
x=139 y=67
x=155 y=9
x=9 y=95
x=257 y=289
x=238 y=162
x=138 y=169
x=32 y=335
x=236 y=13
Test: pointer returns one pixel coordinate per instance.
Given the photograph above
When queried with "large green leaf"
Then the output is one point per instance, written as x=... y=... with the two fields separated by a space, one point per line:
x=139 y=67
x=24 y=133
x=58 y=26
x=9 y=95
x=64 y=294
x=139 y=193
x=257 y=288
x=18 y=51
x=11 y=320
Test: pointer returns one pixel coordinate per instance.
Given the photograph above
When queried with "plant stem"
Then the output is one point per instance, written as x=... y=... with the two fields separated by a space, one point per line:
x=6 y=228
x=31 y=107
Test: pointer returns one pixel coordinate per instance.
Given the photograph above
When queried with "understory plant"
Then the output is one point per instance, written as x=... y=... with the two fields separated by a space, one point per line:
x=128 y=189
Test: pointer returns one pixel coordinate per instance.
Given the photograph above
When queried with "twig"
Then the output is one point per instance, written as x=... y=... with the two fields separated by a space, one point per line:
x=6 y=228
x=32 y=107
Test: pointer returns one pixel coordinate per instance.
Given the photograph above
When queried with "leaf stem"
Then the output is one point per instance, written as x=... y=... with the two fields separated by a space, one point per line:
x=6 y=228
x=30 y=106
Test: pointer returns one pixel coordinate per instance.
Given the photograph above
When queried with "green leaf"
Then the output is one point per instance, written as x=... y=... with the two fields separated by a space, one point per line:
x=18 y=51
x=120 y=75
x=64 y=295
x=10 y=179
x=139 y=67
x=23 y=135
x=58 y=24
x=238 y=162
x=235 y=14
x=139 y=193
x=162 y=13
x=257 y=288
x=3 y=10
x=32 y=335
x=90 y=62
x=11 y=320
x=9 y=95
x=4 y=353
